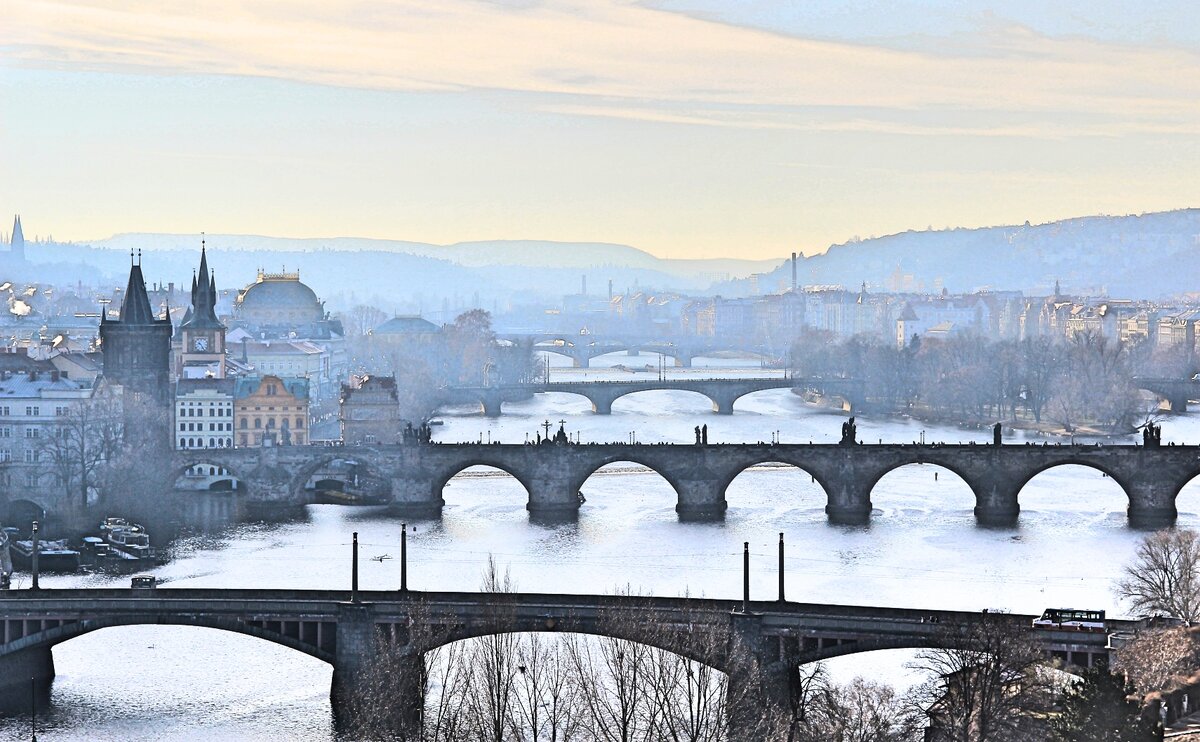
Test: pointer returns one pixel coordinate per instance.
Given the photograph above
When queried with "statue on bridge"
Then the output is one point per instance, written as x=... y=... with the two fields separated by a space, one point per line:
x=419 y=434
x=849 y=433
x=996 y=431
x=1151 y=435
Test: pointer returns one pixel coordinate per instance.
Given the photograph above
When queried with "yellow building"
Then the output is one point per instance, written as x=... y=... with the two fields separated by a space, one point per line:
x=270 y=411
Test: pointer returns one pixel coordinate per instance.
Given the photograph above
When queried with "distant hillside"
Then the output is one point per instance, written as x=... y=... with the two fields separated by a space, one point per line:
x=1145 y=256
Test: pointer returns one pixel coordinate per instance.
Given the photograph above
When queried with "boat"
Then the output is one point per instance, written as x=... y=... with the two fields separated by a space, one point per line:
x=53 y=556
x=131 y=540
x=338 y=497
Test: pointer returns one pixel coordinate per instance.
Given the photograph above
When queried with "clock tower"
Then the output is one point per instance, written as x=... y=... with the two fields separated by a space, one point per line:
x=202 y=347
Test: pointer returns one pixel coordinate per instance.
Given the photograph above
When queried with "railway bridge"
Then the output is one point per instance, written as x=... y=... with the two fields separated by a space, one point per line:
x=758 y=644
x=553 y=474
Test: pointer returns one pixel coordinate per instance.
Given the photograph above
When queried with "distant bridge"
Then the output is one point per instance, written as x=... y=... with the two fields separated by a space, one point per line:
x=1176 y=392
x=581 y=349
x=721 y=392
x=757 y=644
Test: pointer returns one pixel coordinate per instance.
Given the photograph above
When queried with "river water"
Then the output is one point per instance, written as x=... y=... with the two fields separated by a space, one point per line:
x=922 y=549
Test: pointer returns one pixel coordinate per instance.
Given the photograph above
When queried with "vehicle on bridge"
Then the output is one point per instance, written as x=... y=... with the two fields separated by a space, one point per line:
x=1070 y=619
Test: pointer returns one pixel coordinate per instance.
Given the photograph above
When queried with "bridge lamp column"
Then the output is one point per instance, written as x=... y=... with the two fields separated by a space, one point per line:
x=354 y=569
x=403 y=557
x=34 y=558
x=781 y=598
x=745 y=577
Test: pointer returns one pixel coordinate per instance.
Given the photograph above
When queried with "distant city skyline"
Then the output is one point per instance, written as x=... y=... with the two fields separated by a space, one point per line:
x=685 y=128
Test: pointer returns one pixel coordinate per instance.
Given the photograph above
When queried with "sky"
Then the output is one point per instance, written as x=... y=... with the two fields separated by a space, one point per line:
x=687 y=128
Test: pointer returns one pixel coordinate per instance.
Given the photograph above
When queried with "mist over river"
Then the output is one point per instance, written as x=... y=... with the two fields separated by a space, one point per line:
x=922 y=549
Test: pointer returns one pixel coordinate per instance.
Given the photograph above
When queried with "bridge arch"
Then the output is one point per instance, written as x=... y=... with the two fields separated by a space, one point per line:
x=630 y=456
x=201 y=475
x=314 y=638
x=21 y=513
x=442 y=478
x=774 y=467
x=1022 y=488
x=630 y=392
x=935 y=471
x=344 y=467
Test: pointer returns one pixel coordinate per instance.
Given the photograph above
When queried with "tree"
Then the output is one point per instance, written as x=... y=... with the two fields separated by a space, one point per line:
x=361 y=319
x=1164 y=577
x=85 y=438
x=859 y=711
x=988 y=682
x=1099 y=709
x=1157 y=659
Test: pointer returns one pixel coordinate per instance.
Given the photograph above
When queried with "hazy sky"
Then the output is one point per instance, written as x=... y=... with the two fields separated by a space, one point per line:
x=688 y=128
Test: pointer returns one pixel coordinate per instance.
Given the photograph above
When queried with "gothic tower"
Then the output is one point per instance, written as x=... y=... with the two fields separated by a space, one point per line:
x=202 y=350
x=16 y=244
x=137 y=347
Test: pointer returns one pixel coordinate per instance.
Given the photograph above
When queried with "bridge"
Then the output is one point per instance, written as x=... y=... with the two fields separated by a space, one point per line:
x=758 y=644
x=553 y=474
x=1176 y=392
x=721 y=392
x=581 y=349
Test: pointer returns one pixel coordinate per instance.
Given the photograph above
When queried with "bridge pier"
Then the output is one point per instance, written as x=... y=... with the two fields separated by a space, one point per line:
x=491 y=405
x=996 y=502
x=1152 y=518
x=761 y=672
x=849 y=501
x=683 y=361
x=1152 y=500
x=699 y=500
x=581 y=361
x=413 y=496
x=553 y=497
x=601 y=404
x=373 y=688
x=19 y=668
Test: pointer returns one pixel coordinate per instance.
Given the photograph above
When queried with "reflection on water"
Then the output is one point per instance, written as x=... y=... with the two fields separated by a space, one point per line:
x=922 y=549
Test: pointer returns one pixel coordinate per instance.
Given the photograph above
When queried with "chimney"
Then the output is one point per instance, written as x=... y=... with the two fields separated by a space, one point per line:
x=610 y=294
x=794 y=287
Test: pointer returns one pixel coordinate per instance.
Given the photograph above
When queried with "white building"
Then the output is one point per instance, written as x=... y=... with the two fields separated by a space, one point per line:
x=203 y=414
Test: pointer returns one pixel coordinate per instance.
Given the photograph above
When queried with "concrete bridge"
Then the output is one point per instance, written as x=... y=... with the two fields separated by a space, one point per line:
x=554 y=474
x=581 y=349
x=1175 y=392
x=757 y=644
x=721 y=392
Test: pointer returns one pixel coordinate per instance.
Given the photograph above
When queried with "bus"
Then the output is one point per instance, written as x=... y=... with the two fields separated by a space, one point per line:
x=1070 y=619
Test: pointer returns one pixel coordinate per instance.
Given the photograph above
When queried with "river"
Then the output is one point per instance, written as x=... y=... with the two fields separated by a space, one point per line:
x=922 y=549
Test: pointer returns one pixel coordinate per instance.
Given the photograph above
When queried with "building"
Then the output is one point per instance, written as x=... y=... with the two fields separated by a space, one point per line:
x=201 y=336
x=270 y=411
x=137 y=346
x=292 y=358
x=37 y=421
x=16 y=242
x=369 y=411
x=203 y=414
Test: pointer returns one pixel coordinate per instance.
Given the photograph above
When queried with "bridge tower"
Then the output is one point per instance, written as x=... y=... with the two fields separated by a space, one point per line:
x=137 y=347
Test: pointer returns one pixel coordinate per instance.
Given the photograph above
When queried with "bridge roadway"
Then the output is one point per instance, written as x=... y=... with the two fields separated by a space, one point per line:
x=721 y=392
x=758 y=644
x=555 y=474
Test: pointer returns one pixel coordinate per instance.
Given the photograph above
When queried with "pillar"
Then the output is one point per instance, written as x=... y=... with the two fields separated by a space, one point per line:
x=759 y=692
x=491 y=405
x=1151 y=501
x=601 y=405
x=18 y=669
x=414 y=495
x=683 y=361
x=553 y=496
x=378 y=692
x=579 y=359
x=996 y=500
x=849 y=499
x=722 y=403
x=700 y=499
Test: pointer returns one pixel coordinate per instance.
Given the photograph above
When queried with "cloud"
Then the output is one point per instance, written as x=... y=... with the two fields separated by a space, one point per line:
x=628 y=60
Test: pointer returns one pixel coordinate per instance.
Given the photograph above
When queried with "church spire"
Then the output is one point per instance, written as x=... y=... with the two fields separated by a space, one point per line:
x=203 y=312
x=135 y=308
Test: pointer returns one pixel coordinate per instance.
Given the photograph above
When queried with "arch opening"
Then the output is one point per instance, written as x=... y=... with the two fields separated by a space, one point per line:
x=920 y=491
x=207 y=476
x=1071 y=494
x=776 y=485
x=779 y=400
x=483 y=488
x=1187 y=503
x=20 y=514
x=630 y=483
x=342 y=481
x=682 y=402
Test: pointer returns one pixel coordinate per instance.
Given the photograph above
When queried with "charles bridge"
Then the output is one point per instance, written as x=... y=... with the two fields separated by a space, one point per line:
x=581 y=348
x=554 y=474
x=758 y=644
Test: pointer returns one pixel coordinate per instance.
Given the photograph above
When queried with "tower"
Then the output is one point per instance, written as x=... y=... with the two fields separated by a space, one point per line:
x=16 y=244
x=202 y=350
x=137 y=347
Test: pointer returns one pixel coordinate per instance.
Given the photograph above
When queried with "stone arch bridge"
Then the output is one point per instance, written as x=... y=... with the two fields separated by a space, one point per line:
x=581 y=349
x=758 y=644
x=554 y=474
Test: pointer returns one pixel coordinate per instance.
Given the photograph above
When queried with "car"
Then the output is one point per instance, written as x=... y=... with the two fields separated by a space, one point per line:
x=143 y=582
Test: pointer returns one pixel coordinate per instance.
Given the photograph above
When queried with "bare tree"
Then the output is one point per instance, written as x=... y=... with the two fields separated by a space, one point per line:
x=85 y=438
x=988 y=682
x=859 y=711
x=1164 y=577
x=1155 y=660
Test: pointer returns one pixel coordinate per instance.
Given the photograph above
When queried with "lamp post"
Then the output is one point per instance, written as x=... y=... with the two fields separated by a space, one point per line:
x=403 y=557
x=34 y=566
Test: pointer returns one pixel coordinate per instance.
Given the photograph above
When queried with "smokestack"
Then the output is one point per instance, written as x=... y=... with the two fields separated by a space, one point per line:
x=583 y=284
x=794 y=272
x=610 y=289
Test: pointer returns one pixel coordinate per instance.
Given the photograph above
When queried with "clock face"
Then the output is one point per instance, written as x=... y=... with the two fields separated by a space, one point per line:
x=201 y=343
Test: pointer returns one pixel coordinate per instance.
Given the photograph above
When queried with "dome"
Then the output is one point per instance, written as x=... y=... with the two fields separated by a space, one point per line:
x=278 y=298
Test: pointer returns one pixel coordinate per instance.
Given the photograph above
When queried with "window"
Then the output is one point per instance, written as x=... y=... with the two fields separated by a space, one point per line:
x=6 y=432
x=182 y=442
x=243 y=441
x=5 y=454
x=5 y=411
x=182 y=427
x=32 y=432
x=243 y=423
x=299 y=423
x=257 y=423
x=60 y=411
x=31 y=480
x=212 y=442
x=29 y=456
